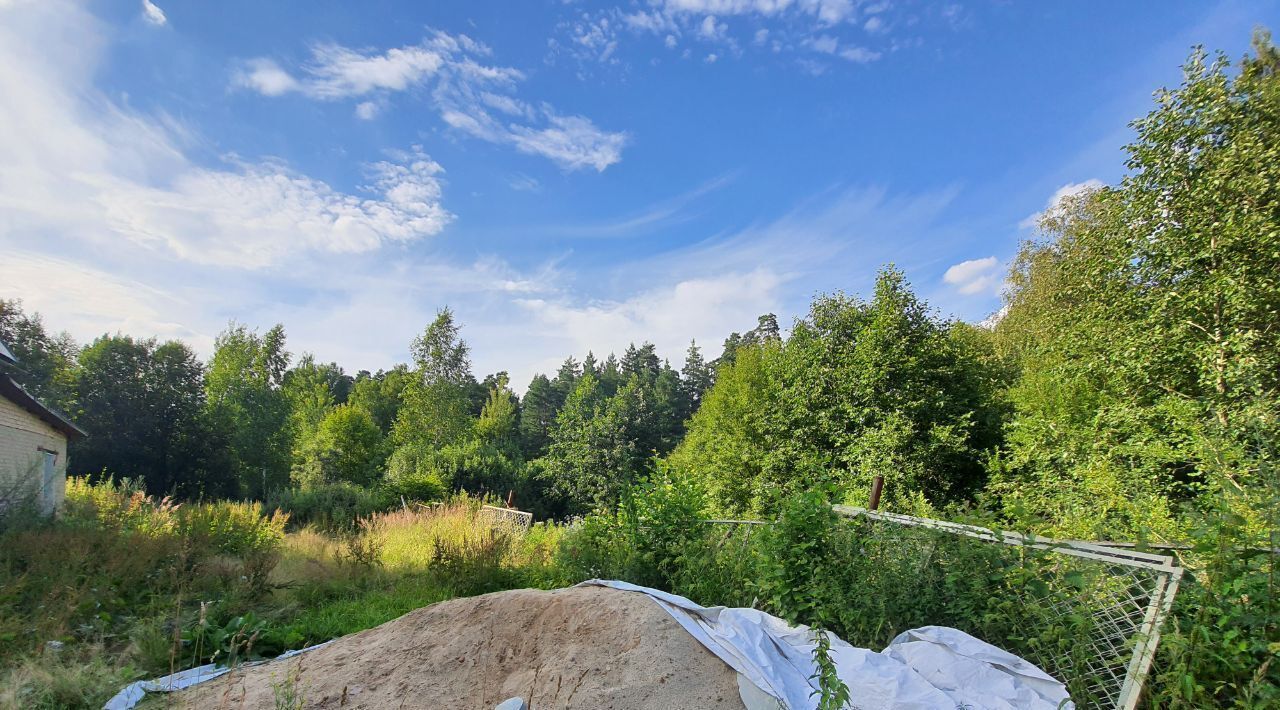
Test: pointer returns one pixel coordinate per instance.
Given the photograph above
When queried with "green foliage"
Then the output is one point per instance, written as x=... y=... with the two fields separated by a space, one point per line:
x=593 y=454
x=46 y=362
x=332 y=507
x=1220 y=648
x=116 y=557
x=498 y=424
x=345 y=446
x=727 y=439
x=1144 y=323
x=224 y=527
x=412 y=472
x=436 y=410
x=306 y=388
x=644 y=541
x=537 y=416
x=860 y=389
x=381 y=394
x=696 y=377
x=246 y=403
x=144 y=406
x=832 y=692
x=227 y=644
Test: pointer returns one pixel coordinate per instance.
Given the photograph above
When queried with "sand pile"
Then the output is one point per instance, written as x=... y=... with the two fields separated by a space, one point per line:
x=583 y=647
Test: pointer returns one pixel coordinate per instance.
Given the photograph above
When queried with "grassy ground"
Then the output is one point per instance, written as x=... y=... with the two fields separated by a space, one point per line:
x=125 y=587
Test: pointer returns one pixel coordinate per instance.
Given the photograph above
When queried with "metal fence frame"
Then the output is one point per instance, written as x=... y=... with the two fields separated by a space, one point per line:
x=508 y=516
x=1165 y=573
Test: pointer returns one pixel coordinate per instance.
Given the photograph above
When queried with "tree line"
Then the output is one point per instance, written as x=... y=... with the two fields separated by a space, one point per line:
x=254 y=419
x=1130 y=388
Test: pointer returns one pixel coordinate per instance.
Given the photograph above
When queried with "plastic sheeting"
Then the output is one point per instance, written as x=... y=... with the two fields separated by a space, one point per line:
x=929 y=668
x=133 y=693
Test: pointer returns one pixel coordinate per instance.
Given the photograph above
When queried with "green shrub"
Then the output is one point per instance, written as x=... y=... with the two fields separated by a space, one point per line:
x=412 y=473
x=332 y=507
x=232 y=527
x=657 y=523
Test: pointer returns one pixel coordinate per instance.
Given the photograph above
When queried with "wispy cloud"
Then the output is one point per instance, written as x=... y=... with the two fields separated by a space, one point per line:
x=465 y=90
x=153 y=14
x=835 y=240
x=844 y=29
x=828 y=12
x=524 y=183
x=660 y=214
x=83 y=165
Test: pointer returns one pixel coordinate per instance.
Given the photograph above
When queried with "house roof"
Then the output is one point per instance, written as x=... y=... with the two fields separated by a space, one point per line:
x=6 y=355
x=14 y=392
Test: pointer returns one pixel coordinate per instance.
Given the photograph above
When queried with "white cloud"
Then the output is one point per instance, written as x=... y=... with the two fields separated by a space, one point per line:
x=827 y=44
x=859 y=55
x=816 y=25
x=711 y=58
x=825 y=11
x=655 y=22
x=463 y=89
x=572 y=141
x=367 y=110
x=709 y=29
x=597 y=36
x=705 y=308
x=266 y=77
x=261 y=213
x=152 y=14
x=974 y=276
x=338 y=72
x=88 y=302
x=524 y=183
x=1071 y=189
x=77 y=165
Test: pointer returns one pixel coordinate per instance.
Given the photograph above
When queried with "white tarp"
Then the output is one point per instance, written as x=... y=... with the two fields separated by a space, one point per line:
x=930 y=668
x=133 y=693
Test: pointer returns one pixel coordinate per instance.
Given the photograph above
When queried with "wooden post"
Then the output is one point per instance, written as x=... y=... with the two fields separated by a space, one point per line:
x=511 y=497
x=876 y=486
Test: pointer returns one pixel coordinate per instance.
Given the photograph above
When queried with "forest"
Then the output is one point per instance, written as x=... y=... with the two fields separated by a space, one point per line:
x=1128 y=390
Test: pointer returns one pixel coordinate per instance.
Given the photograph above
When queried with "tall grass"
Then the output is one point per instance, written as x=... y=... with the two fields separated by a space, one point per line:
x=111 y=579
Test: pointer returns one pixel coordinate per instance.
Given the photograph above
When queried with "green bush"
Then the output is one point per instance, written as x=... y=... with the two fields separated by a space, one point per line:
x=411 y=472
x=658 y=521
x=332 y=507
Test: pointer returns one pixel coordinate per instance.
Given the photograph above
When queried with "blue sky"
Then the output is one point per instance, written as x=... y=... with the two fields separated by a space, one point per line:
x=565 y=175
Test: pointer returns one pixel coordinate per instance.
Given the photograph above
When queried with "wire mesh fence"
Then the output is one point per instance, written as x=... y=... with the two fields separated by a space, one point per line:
x=1088 y=614
x=517 y=520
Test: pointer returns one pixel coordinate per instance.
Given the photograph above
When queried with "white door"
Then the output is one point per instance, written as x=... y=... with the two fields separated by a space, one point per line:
x=48 y=479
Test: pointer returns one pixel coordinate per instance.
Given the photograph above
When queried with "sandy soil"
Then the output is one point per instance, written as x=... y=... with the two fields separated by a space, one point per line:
x=587 y=647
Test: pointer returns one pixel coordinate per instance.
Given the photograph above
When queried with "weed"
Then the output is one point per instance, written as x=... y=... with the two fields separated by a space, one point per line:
x=288 y=693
